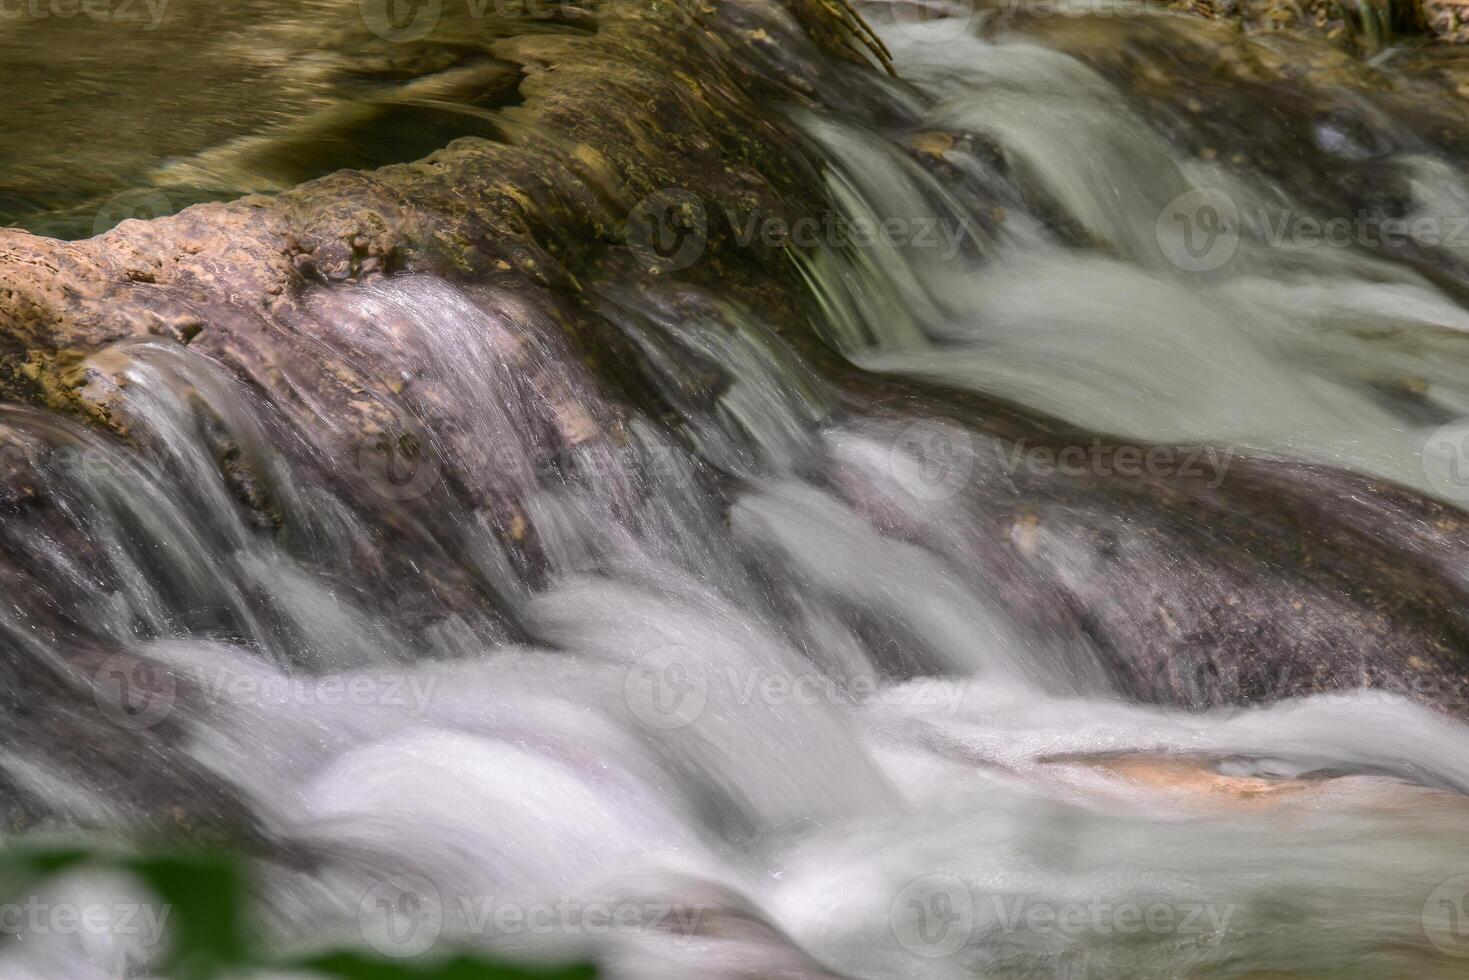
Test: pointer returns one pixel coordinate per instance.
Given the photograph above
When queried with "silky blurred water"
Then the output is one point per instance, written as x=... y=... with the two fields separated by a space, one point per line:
x=736 y=694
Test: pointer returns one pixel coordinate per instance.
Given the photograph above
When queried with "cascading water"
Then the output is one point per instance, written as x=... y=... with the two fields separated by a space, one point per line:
x=775 y=681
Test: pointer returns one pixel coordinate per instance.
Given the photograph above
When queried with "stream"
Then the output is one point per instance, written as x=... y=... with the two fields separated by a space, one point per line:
x=774 y=677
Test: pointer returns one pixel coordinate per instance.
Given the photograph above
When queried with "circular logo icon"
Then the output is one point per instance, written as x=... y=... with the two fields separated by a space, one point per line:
x=402 y=916
x=401 y=20
x=668 y=230
x=1446 y=460
x=932 y=21
x=133 y=692
x=933 y=916
x=142 y=203
x=1199 y=230
x=398 y=464
x=932 y=460
x=667 y=688
x=1446 y=916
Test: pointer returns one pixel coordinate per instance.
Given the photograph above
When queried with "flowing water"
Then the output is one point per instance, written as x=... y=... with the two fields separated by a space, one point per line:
x=757 y=697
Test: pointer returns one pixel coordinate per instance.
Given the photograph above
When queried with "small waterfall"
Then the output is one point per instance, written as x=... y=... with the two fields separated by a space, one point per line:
x=1270 y=343
x=762 y=673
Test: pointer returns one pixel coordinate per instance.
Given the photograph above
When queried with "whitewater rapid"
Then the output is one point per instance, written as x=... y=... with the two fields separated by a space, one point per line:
x=757 y=707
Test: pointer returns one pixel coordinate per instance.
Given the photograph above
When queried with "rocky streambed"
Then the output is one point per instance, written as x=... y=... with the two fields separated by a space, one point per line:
x=663 y=495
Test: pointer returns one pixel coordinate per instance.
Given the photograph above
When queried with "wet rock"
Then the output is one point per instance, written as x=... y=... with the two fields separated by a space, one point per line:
x=1278 y=583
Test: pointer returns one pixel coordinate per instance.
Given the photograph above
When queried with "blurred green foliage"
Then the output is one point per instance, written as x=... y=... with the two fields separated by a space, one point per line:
x=207 y=938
